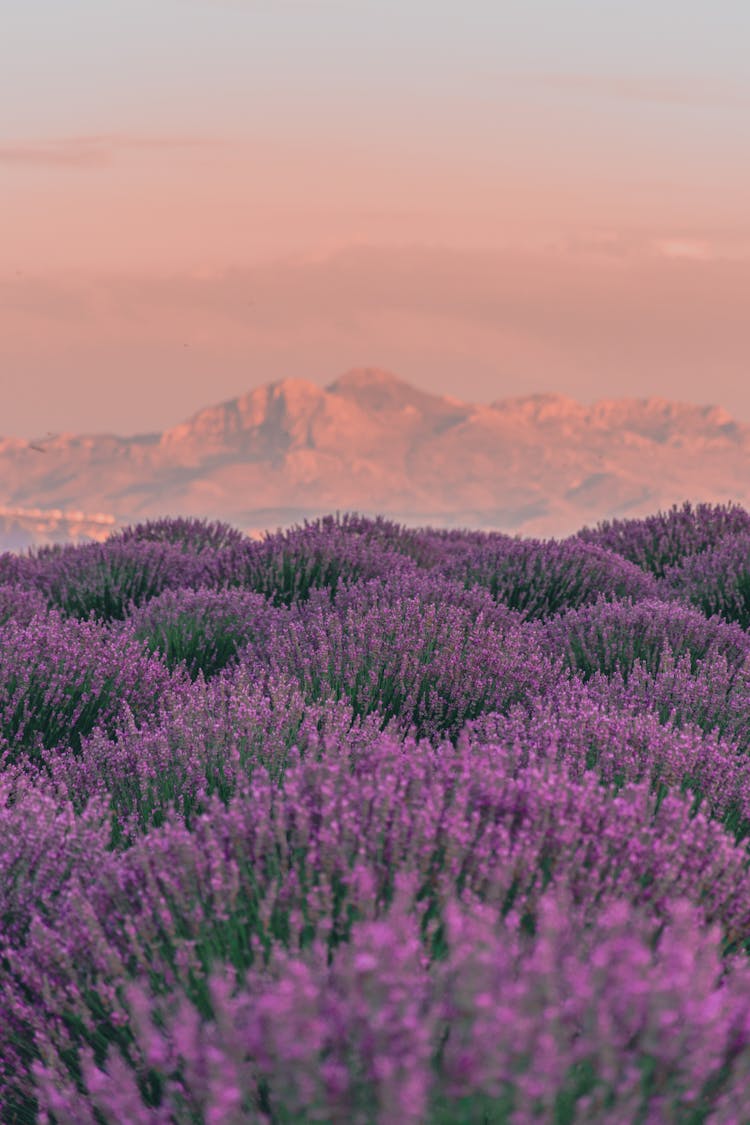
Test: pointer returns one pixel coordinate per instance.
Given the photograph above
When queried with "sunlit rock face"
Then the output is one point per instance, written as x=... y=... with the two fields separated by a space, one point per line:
x=369 y=441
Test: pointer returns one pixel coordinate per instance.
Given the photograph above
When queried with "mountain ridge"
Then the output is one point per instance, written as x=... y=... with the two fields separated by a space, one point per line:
x=540 y=464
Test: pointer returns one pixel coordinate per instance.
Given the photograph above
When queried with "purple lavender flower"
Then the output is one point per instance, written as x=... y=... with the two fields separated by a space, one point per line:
x=59 y=678
x=662 y=541
x=718 y=580
x=101 y=579
x=540 y=579
x=188 y=534
x=365 y=823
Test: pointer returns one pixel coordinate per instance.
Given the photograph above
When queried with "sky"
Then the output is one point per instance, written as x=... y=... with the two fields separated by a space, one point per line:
x=491 y=199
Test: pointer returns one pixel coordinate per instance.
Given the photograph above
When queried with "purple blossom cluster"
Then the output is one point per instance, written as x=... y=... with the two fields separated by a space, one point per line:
x=539 y=579
x=285 y=567
x=361 y=823
x=100 y=580
x=614 y=636
x=665 y=539
x=60 y=678
x=718 y=580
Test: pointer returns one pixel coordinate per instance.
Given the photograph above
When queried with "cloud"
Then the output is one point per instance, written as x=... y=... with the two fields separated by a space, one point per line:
x=685 y=248
x=524 y=288
x=642 y=88
x=93 y=151
x=725 y=249
x=67 y=153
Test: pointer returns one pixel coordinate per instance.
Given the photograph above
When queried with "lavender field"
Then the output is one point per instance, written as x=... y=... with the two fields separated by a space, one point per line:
x=359 y=823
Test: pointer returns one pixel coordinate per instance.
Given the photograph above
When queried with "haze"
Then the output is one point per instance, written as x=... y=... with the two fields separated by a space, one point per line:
x=200 y=196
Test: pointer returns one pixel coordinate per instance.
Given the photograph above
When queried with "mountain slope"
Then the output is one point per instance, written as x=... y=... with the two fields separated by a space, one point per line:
x=539 y=464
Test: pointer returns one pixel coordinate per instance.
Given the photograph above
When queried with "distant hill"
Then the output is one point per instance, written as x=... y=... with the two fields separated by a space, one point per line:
x=540 y=465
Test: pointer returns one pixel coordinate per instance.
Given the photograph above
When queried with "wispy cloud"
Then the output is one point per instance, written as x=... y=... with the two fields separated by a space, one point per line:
x=702 y=249
x=686 y=248
x=92 y=151
x=644 y=88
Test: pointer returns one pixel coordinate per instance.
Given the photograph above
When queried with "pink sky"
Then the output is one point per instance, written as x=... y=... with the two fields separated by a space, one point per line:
x=488 y=210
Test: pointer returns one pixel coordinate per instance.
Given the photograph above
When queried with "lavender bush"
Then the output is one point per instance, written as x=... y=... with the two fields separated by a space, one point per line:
x=664 y=540
x=203 y=629
x=17 y=569
x=609 y=1023
x=189 y=534
x=207 y=739
x=718 y=580
x=59 y=678
x=429 y=666
x=20 y=604
x=416 y=543
x=581 y=726
x=286 y=567
x=709 y=693
x=540 y=579
x=362 y=823
x=611 y=636
x=283 y=868
x=101 y=579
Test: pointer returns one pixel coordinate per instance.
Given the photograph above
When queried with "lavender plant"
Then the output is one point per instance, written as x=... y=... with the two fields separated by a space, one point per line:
x=363 y=823
x=566 y=1028
x=279 y=868
x=191 y=535
x=387 y=534
x=202 y=629
x=429 y=666
x=102 y=579
x=540 y=579
x=718 y=580
x=16 y=569
x=208 y=739
x=20 y=604
x=286 y=567
x=710 y=694
x=611 y=636
x=59 y=678
x=580 y=726
x=665 y=539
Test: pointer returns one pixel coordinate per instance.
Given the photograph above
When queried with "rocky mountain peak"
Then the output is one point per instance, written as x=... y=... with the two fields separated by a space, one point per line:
x=540 y=464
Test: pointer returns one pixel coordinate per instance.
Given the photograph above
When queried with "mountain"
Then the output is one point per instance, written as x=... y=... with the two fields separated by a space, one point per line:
x=540 y=464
